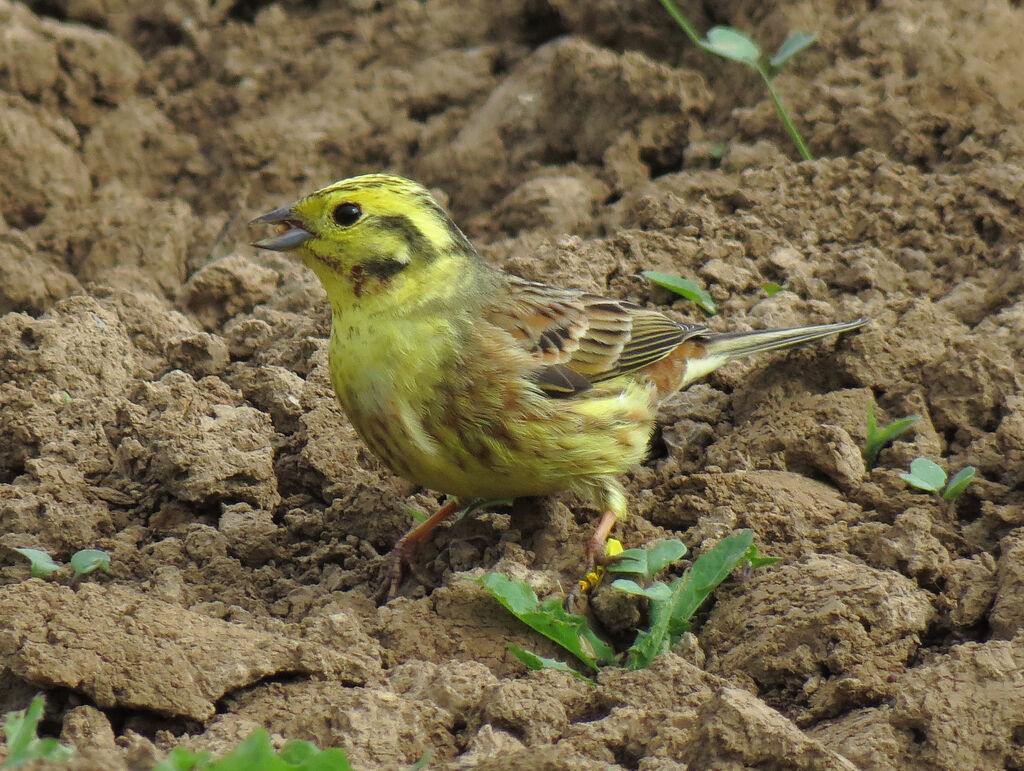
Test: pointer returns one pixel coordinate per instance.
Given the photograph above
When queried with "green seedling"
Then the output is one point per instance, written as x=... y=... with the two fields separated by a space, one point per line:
x=550 y=619
x=533 y=661
x=256 y=753
x=771 y=288
x=414 y=514
x=959 y=482
x=730 y=43
x=23 y=744
x=929 y=476
x=422 y=762
x=672 y=605
x=879 y=437
x=83 y=562
x=87 y=560
x=41 y=563
x=684 y=287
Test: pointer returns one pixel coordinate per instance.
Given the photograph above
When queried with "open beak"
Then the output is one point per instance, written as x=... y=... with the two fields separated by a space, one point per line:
x=293 y=236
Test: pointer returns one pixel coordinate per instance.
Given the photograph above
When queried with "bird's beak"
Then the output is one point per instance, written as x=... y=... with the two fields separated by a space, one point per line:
x=295 y=235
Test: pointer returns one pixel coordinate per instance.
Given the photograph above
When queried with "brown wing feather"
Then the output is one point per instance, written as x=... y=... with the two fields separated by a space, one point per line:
x=580 y=338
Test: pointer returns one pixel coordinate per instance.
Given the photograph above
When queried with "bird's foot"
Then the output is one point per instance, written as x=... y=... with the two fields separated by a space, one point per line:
x=401 y=556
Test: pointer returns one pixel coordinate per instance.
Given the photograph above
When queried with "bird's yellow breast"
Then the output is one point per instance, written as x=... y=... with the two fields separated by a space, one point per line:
x=447 y=414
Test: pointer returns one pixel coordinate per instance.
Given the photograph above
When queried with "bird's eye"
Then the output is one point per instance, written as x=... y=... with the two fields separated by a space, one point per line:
x=346 y=214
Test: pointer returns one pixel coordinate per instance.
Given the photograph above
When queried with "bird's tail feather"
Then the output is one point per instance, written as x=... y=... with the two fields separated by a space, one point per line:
x=723 y=347
x=734 y=345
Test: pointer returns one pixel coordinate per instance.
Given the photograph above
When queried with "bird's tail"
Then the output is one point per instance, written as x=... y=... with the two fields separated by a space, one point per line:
x=722 y=347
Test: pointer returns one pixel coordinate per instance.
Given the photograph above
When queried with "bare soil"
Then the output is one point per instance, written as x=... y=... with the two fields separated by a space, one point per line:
x=164 y=395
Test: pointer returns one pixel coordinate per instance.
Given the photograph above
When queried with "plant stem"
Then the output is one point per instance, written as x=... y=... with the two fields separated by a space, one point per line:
x=697 y=40
x=689 y=29
x=790 y=126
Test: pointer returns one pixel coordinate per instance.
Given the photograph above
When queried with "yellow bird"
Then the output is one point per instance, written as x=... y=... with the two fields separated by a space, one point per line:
x=478 y=384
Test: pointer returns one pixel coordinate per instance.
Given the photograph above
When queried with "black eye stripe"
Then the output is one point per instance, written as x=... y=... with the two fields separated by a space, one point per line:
x=346 y=214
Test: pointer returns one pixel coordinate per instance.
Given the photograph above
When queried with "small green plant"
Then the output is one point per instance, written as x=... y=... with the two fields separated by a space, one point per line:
x=771 y=288
x=672 y=605
x=415 y=514
x=684 y=287
x=87 y=560
x=41 y=564
x=256 y=753
x=23 y=743
x=730 y=43
x=83 y=562
x=879 y=437
x=929 y=476
x=551 y=619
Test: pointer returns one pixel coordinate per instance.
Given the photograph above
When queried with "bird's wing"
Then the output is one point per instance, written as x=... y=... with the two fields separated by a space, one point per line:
x=579 y=339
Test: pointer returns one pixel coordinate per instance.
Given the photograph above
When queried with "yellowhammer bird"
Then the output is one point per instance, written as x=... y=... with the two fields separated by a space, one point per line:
x=475 y=383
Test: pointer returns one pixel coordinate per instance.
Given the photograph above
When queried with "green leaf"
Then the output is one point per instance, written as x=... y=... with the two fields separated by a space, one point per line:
x=684 y=287
x=708 y=571
x=549 y=618
x=648 y=562
x=755 y=560
x=629 y=586
x=299 y=754
x=794 y=44
x=878 y=438
x=23 y=745
x=671 y=617
x=959 y=482
x=771 y=288
x=732 y=44
x=533 y=661
x=297 y=751
x=42 y=564
x=925 y=475
x=183 y=759
x=423 y=762
x=663 y=554
x=518 y=597
x=657 y=591
x=87 y=560
x=630 y=561
x=414 y=514
x=256 y=753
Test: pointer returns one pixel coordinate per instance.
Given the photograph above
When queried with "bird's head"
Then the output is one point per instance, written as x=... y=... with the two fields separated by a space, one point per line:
x=368 y=236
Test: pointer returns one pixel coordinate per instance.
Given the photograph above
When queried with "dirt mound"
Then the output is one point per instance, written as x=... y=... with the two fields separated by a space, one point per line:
x=164 y=392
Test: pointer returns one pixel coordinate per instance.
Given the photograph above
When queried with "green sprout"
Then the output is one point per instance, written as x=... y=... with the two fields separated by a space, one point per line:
x=87 y=560
x=879 y=437
x=23 y=743
x=41 y=563
x=414 y=514
x=929 y=476
x=684 y=287
x=771 y=288
x=83 y=562
x=256 y=753
x=550 y=618
x=672 y=605
x=730 y=43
